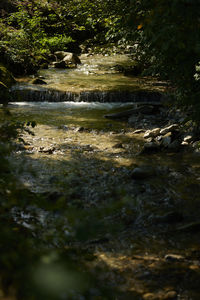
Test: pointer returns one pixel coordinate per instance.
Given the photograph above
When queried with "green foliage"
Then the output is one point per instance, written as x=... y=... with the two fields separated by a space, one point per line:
x=56 y=42
x=168 y=39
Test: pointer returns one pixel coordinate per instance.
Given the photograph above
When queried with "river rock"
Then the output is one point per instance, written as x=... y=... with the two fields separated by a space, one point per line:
x=152 y=133
x=170 y=217
x=133 y=119
x=143 y=172
x=138 y=131
x=6 y=77
x=174 y=146
x=59 y=64
x=150 y=147
x=188 y=138
x=67 y=57
x=173 y=258
x=169 y=295
x=190 y=227
x=38 y=81
x=117 y=146
x=79 y=129
x=121 y=115
x=4 y=94
x=170 y=128
x=47 y=150
x=166 y=141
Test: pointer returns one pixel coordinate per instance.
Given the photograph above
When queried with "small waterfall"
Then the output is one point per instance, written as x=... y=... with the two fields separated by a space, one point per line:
x=30 y=93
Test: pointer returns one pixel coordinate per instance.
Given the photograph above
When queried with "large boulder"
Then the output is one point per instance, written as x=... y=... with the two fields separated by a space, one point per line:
x=67 y=57
x=6 y=77
x=4 y=94
x=6 y=81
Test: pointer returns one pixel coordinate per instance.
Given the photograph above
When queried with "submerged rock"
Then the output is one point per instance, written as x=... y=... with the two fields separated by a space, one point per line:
x=150 y=147
x=38 y=81
x=170 y=217
x=174 y=146
x=191 y=227
x=59 y=64
x=133 y=120
x=143 y=172
x=166 y=141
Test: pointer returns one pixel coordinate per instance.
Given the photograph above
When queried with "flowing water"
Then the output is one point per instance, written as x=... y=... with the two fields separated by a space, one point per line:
x=79 y=155
x=95 y=80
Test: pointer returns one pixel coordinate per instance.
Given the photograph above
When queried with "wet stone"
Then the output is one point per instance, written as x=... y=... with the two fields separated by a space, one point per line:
x=152 y=133
x=47 y=150
x=116 y=146
x=174 y=258
x=150 y=147
x=191 y=227
x=188 y=138
x=38 y=81
x=133 y=119
x=160 y=296
x=166 y=141
x=170 y=128
x=170 y=217
x=143 y=172
x=138 y=131
x=79 y=129
x=174 y=146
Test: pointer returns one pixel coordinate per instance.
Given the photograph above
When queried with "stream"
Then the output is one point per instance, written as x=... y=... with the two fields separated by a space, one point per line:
x=143 y=232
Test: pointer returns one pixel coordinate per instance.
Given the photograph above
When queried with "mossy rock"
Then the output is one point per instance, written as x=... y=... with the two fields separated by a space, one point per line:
x=4 y=94
x=6 y=81
x=6 y=77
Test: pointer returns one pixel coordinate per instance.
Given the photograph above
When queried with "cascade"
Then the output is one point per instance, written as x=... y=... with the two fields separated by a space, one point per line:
x=30 y=93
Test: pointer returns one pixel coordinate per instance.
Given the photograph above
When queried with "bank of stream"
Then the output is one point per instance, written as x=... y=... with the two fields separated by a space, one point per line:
x=136 y=236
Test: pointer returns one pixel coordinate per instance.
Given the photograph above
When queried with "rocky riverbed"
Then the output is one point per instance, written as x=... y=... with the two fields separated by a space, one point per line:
x=135 y=196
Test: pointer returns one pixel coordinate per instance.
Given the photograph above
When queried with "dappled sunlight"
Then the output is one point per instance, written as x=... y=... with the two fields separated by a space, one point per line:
x=81 y=165
x=97 y=73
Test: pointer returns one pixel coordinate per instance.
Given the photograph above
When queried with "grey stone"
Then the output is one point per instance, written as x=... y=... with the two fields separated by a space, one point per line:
x=133 y=119
x=170 y=128
x=174 y=146
x=166 y=141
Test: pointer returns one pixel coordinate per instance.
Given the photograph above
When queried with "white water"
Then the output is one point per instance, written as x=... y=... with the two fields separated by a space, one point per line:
x=74 y=105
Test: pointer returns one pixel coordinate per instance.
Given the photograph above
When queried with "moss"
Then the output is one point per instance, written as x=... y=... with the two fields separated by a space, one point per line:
x=6 y=77
x=6 y=81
